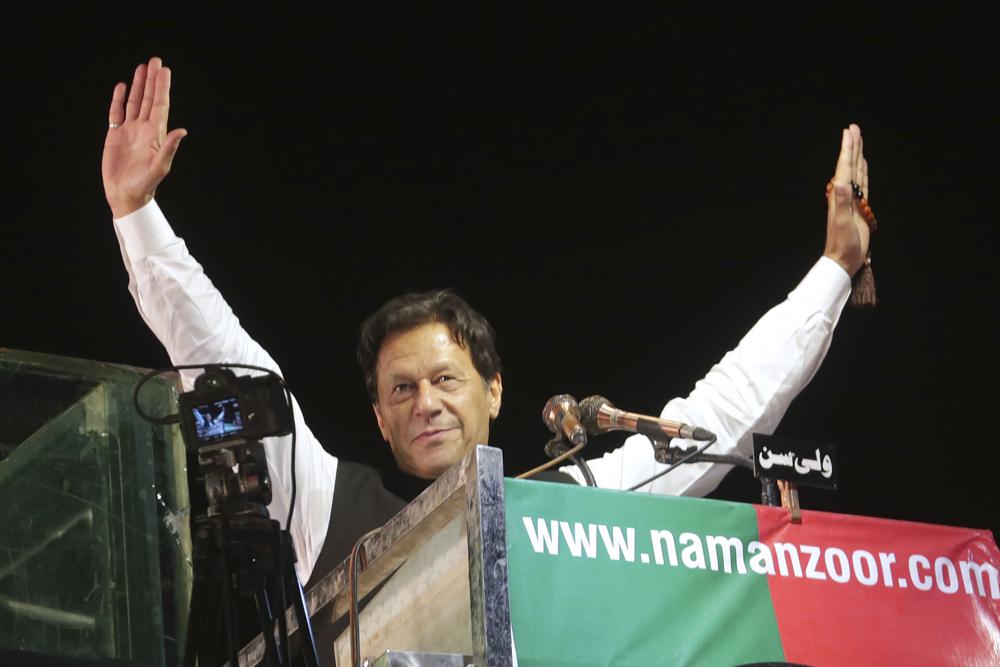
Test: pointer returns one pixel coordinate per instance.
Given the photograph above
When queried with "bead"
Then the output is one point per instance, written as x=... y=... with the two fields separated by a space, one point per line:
x=864 y=208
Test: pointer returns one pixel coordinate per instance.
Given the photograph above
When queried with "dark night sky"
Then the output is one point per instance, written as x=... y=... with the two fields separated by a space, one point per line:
x=622 y=193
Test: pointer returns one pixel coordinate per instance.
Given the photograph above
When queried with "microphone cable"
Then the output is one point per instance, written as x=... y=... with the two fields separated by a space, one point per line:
x=683 y=459
x=552 y=463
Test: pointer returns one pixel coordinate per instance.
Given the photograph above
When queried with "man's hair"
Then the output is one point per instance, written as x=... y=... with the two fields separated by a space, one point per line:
x=468 y=328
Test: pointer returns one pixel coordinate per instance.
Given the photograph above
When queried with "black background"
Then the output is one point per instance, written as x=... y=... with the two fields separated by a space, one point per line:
x=622 y=192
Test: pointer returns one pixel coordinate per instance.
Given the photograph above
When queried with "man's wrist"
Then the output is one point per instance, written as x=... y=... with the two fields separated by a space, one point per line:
x=826 y=287
x=145 y=231
x=844 y=264
x=122 y=207
x=851 y=261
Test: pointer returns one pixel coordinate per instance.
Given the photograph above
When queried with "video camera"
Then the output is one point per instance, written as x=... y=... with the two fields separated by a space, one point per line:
x=223 y=419
x=224 y=408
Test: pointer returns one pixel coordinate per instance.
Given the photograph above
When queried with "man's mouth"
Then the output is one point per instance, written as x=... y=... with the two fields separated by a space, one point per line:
x=432 y=436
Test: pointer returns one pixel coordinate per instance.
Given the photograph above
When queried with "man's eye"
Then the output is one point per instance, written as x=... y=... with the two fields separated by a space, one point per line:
x=446 y=380
x=401 y=388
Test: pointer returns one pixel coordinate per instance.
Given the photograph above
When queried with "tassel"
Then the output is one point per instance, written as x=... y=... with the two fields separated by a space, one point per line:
x=863 y=286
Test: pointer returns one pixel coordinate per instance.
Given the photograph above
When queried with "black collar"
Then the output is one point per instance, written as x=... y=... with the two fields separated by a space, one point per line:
x=402 y=484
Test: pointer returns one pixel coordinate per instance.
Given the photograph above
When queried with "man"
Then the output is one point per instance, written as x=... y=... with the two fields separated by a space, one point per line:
x=429 y=360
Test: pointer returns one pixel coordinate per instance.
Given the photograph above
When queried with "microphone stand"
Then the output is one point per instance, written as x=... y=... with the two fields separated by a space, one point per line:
x=663 y=452
x=558 y=446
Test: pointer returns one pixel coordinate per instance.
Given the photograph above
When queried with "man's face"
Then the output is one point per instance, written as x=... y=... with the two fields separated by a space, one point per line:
x=433 y=406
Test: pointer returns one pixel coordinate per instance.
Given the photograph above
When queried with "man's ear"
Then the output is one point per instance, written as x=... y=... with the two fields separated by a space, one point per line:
x=495 y=389
x=381 y=424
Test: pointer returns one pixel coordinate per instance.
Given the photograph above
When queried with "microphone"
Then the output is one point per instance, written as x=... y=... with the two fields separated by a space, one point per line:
x=561 y=415
x=598 y=415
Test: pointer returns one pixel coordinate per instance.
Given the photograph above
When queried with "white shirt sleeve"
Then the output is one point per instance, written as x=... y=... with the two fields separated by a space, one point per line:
x=747 y=392
x=196 y=326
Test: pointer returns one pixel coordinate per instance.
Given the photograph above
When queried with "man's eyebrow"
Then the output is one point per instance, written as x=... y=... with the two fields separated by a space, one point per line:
x=441 y=366
x=397 y=375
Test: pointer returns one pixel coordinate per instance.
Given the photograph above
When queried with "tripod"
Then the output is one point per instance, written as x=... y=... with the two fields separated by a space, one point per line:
x=240 y=550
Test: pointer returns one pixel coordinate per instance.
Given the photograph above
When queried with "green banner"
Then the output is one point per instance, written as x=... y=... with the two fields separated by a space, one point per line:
x=603 y=577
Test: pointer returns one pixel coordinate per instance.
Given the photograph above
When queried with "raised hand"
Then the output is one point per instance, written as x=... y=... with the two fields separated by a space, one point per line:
x=138 y=150
x=847 y=232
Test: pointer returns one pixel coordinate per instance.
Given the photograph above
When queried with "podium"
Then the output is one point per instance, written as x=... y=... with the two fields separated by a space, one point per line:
x=440 y=567
x=560 y=575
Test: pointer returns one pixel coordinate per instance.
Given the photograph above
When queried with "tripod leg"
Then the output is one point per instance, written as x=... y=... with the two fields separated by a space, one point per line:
x=201 y=644
x=305 y=624
x=228 y=596
x=292 y=584
x=266 y=620
x=197 y=616
x=279 y=590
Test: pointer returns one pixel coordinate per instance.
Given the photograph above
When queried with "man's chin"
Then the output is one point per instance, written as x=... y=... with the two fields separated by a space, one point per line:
x=436 y=462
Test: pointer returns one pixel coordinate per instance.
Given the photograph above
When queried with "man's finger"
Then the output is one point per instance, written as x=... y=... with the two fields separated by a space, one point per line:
x=165 y=157
x=842 y=196
x=116 y=114
x=135 y=93
x=858 y=152
x=150 y=88
x=845 y=161
x=864 y=179
x=161 y=98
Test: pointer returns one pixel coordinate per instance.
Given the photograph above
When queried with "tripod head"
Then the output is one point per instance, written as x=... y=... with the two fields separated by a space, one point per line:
x=235 y=477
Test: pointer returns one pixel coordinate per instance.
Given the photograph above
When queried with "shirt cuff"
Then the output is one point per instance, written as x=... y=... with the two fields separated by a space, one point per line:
x=826 y=287
x=145 y=231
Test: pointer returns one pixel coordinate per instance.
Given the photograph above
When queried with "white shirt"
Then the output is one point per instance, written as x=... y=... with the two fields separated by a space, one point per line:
x=747 y=392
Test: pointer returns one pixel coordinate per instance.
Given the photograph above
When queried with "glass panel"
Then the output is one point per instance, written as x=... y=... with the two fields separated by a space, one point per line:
x=94 y=538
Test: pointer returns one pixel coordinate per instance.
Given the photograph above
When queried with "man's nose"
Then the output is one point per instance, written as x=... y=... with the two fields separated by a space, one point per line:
x=428 y=400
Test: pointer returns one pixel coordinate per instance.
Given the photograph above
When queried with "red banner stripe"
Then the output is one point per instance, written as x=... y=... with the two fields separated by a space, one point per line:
x=851 y=590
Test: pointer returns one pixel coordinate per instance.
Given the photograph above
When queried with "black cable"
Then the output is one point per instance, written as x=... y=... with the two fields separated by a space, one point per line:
x=685 y=459
x=672 y=454
x=588 y=476
x=291 y=504
x=280 y=590
x=169 y=419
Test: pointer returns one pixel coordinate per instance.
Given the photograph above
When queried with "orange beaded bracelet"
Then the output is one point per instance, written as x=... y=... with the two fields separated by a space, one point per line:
x=863 y=284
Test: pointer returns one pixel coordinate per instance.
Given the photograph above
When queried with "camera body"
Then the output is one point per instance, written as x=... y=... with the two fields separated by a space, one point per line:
x=224 y=408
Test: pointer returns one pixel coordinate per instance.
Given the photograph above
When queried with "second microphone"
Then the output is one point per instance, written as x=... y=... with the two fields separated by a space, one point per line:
x=598 y=415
